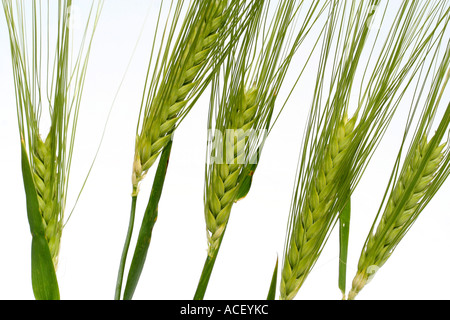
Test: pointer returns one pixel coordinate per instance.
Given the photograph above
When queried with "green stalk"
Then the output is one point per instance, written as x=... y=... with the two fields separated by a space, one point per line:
x=206 y=275
x=125 y=248
x=148 y=222
x=207 y=270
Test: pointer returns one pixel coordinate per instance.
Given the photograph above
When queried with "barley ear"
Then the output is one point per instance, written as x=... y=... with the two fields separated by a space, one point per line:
x=45 y=181
x=400 y=210
x=223 y=186
x=308 y=233
x=170 y=101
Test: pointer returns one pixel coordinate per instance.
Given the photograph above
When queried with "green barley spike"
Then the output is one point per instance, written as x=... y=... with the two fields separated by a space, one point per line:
x=156 y=132
x=221 y=192
x=392 y=228
x=307 y=234
x=45 y=181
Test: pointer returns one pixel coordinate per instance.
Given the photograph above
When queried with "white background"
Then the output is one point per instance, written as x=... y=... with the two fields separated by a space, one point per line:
x=93 y=238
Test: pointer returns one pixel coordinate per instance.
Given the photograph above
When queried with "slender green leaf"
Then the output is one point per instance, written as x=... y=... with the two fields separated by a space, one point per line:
x=246 y=183
x=43 y=275
x=148 y=222
x=273 y=283
x=34 y=217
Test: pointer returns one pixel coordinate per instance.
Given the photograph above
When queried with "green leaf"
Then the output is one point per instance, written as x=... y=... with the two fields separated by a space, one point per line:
x=34 y=216
x=344 y=229
x=245 y=185
x=273 y=283
x=43 y=274
x=148 y=222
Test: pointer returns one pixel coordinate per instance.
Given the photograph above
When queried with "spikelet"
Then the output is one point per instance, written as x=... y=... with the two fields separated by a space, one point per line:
x=44 y=179
x=392 y=228
x=308 y=232
x=223 y=184
x=156 y=132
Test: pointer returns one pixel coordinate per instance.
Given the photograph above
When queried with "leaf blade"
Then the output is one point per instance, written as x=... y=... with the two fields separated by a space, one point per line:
x=148 y=222
x=43 y=275
x=273 y=283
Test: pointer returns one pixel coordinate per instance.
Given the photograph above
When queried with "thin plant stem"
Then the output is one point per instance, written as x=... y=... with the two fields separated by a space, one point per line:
x=125 y=248
x=206 y=272
x=344 y=230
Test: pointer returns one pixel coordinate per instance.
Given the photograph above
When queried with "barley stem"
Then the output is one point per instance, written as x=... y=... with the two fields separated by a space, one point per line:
x=125 y=249
x=344 y=232
x=207 y=270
